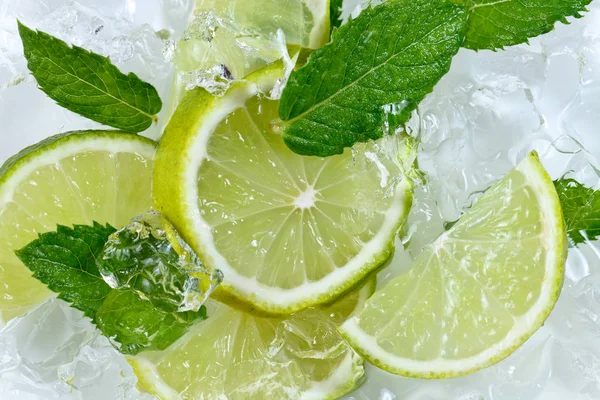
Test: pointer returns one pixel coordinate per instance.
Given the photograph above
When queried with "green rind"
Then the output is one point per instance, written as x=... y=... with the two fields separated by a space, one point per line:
x=170 y=183
x=22 y=157
x=556 y=287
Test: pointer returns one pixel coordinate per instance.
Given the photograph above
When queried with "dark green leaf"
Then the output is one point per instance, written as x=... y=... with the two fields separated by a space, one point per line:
x=494 y=24
x=65 y=261
x=335 y=13
x=137 y=318
x=581 y=209
x=139 y=326
x=89 y=84
x=385 y=60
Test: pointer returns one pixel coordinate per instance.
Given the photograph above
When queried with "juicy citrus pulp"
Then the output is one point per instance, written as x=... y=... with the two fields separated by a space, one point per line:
x=233 y=355
x=478 y=292
x=287 y=231
x=73 y=178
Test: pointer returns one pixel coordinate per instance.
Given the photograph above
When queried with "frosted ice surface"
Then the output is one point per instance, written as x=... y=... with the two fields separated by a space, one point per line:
x=55 y=353
x=485 y=115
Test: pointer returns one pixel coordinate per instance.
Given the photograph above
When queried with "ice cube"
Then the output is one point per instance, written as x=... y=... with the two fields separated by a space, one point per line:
x=149 y=257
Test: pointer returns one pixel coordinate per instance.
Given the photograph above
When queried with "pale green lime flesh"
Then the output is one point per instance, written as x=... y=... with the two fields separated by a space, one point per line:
x=234 y=355
x=73 y=178
x=478 y=292
x=287 y=231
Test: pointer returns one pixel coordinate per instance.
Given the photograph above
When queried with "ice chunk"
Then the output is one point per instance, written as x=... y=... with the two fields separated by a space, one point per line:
x=149 y=257
x=55 y=353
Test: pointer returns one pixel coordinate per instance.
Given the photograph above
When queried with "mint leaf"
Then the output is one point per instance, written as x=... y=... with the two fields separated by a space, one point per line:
x=66 y=261
x=581 y=210
x=335 y=13
x=389 y=57
x=494 y=24
x=89 y=84
x=139 y=326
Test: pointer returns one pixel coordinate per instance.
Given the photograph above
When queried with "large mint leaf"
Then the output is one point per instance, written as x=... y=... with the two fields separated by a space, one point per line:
x=88 y=83
x=494 y=24
x=581 y=210
x=66 y=261
x=387 y=59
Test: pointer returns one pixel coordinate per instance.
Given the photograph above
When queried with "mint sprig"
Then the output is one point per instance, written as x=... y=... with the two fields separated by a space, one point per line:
x=581 y=210
x=495 y=24
x=392 y=54
x=379 y=66
x=89 y=84
x=67 y=262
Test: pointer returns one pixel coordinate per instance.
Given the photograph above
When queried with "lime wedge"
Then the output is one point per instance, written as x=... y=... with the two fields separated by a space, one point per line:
x=478 y=292
x=72 y=178
x=287 y=231
x=233 y=355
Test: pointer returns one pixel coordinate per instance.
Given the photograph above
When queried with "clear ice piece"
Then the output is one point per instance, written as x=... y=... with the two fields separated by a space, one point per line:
x=149 y=257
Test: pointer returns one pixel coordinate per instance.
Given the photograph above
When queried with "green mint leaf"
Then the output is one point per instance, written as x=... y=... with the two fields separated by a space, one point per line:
x=140 y=326
x=67 y=261
x=371 y=76
x=581 y=210
x=89 y=84
x=494 y=24
x=335 y=13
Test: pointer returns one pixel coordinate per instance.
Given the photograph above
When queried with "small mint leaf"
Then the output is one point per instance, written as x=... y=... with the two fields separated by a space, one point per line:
x=89 y=84
x=389 y=57
x=581 y=210
x=495 y=24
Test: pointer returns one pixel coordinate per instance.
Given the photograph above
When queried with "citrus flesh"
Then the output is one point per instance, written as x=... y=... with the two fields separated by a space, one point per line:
x=287 y=231
x=73 y=178
x=478 y=292
x=234 y=355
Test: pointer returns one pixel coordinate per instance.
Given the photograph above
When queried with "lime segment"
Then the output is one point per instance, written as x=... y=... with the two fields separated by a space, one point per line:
x=478 y=292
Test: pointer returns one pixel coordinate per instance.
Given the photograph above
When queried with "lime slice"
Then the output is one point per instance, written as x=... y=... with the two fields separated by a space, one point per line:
x=478 y=292
x=287 y=231
x=72 y=178
x=233 y=355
